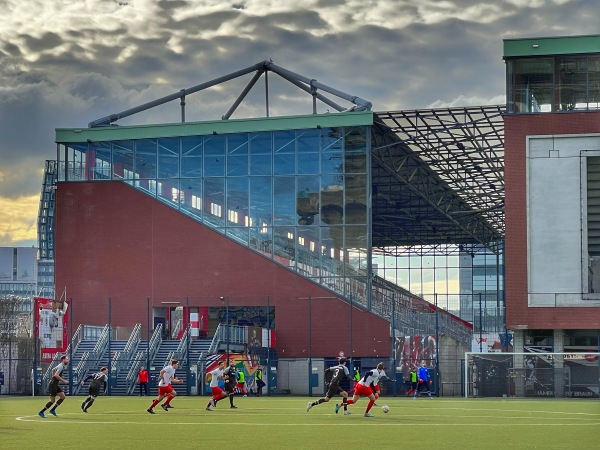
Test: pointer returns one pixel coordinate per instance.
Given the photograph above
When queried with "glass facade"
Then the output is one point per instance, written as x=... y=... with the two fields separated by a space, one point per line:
x=298 y=197
x=553 y=83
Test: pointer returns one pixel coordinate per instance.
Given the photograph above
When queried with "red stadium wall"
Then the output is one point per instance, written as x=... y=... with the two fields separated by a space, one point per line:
x=115 y=242
x=517 y=128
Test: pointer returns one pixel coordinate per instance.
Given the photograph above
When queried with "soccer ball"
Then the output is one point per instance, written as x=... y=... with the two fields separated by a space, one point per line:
x=385 y=409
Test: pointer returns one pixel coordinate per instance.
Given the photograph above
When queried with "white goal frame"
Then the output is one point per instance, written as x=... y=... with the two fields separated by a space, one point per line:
x=533 y=374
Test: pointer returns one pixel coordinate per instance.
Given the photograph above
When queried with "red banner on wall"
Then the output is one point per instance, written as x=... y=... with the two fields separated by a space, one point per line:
x=51 y=319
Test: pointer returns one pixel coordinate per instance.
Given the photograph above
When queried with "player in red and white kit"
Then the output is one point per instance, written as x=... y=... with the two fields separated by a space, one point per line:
x=364 y=388
x=213 y=378
x=167 y=376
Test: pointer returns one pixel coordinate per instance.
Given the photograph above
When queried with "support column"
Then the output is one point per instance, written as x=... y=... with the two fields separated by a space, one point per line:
x=559 y=364
x=519 y=363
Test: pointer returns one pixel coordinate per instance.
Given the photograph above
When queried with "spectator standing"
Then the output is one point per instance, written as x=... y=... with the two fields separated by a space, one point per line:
x=143 y=381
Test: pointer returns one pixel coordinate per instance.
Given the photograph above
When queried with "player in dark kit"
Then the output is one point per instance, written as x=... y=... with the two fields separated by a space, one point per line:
x=54 y=387
x=98 y=379
x=337 y=374
x=230 y=382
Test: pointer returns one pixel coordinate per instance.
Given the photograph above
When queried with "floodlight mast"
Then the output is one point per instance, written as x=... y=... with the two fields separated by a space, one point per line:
x=310 y=86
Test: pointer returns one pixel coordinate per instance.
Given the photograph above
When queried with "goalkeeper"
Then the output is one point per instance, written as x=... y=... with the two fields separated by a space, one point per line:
x=424 y=381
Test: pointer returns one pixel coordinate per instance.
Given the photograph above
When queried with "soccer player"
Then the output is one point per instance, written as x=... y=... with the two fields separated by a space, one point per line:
x=364 y=388
x=167 y=376
x=213 y=378
x=337 y=374
x=424 y=381
x=230 y=382
x=98 y=379
x=414 y=381
x=54 y=387
x=241 y=382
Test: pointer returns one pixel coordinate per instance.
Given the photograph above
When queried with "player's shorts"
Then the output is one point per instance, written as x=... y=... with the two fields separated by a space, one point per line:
x=94 y=391
x=333 y=390
x=54 y=389
x=362 y=390
x=376 y=389
x=229 y=387
x=165 y=390
x=216 y=391
x=240 y=385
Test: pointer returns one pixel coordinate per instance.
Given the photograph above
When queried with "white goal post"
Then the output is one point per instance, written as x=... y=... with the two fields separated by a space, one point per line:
x=532 y=375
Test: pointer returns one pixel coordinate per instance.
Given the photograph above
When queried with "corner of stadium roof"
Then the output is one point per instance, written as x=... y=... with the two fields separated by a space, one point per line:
x=437 y=174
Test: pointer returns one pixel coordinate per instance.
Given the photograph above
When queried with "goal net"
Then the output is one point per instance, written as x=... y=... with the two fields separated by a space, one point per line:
x=525 y=375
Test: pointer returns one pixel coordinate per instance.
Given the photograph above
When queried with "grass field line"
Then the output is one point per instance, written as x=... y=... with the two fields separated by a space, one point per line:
x=349 y=422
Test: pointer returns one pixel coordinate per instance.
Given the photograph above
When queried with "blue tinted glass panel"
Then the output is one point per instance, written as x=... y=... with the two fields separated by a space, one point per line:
x=102 y=166
x=355 y=140
x=261 y=201
x=356 y=199
x=332 y=162
x=284 y=141
x=284 y=164
x=261 y=143
x=284 y=247
x=237 y=144
x=214 y=202
x=214 y=156
x=168 y=192
x=237 y=165
x=145 y=158
x=308 y=163
x=122 y=158
x=168 y=158
x=260 y=164
x=191 y=156
x=237 y=201
x=238 y=234
x=355 y=162
x=308 y=141
x=331 y=140
x=284 y=193
x=191 y=200
x=308 y=200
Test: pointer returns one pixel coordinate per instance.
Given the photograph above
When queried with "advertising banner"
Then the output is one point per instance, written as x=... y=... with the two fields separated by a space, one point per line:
x=51 y=318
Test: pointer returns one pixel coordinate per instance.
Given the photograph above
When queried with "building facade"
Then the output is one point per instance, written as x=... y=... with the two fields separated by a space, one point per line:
x=552 y=149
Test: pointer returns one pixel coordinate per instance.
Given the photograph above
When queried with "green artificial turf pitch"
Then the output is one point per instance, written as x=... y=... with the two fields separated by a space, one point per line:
x=283 y=422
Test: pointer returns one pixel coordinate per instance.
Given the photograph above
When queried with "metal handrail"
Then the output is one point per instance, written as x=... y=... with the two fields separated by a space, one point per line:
x=155 y=341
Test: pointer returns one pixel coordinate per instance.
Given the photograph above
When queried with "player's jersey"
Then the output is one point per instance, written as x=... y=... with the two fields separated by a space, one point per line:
x=58 y=370
x=98 y=379
x=378 y=375
x=169 y=372
x=216 y=374
x=372 y=377
x=423 y=373
x=338 y=373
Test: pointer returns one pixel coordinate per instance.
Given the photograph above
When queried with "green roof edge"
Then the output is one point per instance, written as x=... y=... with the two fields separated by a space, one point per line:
x=559 y=45
x=118 y=133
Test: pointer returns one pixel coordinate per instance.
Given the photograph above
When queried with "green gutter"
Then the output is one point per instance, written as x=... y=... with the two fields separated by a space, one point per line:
x=563 y=45
x=119 y=133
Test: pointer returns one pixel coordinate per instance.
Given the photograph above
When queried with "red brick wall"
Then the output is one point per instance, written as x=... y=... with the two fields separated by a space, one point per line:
x=115 y=242
x=517 y=128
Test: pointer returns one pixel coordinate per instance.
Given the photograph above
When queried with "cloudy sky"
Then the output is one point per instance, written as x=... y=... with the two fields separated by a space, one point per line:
x=64 y=63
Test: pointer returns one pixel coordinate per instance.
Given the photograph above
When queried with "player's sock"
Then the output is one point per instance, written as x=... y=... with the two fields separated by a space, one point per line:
x=154 y=403
x=169 y=398
x=89 y=404
x=345 y=402
x=231 y=400
x=369 y=406
x=48 y=405
x=318 y=402
x=58 y=402
x=350 y=401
